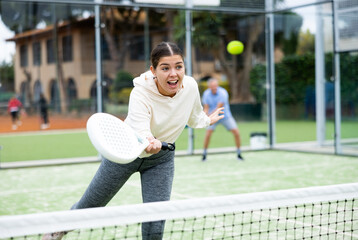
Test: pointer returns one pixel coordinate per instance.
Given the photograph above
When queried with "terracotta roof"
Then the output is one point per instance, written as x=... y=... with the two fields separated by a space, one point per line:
x=47 y=29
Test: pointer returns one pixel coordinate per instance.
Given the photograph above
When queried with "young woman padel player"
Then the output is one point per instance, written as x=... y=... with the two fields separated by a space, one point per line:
x=163 y=101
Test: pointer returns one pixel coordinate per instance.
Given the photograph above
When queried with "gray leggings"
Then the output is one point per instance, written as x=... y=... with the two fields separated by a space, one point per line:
x=156 y=174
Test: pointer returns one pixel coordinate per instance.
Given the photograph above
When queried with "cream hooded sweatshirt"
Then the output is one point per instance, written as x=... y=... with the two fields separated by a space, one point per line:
x=152 y=114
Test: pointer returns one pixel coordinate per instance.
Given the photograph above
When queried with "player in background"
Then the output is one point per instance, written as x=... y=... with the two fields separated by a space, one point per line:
x=213 y=98
x=14 y=106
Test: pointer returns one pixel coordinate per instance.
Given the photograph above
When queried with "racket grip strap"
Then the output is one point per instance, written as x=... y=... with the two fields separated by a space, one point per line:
x=168 y=146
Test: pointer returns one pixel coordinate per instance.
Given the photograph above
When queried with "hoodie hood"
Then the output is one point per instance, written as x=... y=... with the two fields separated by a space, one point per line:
x=146 y=81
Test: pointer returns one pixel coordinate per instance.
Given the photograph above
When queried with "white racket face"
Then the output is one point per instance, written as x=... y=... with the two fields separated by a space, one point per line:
x=114 y=139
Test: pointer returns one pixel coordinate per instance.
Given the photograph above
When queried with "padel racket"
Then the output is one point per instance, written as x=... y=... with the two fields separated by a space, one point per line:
x=115 y=140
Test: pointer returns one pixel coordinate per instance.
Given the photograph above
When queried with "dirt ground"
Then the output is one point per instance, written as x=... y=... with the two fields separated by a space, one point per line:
x=33 y=123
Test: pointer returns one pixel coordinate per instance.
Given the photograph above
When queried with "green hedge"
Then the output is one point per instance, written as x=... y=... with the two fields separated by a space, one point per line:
x=122 y=86
x=295 y=75
x=6 y=96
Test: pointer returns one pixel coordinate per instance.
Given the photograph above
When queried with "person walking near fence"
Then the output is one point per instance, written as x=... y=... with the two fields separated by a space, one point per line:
x=43 y=111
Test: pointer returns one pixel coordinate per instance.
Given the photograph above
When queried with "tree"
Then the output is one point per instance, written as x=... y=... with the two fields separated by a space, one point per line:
x=306 y=43
x=212 y=32
x=120 y=24
x=287 y=32
x=123 y=80
x=124 y=25
x=7 y=76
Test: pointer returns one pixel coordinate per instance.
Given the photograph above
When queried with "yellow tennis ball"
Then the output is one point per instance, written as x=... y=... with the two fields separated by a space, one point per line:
x=235 y=47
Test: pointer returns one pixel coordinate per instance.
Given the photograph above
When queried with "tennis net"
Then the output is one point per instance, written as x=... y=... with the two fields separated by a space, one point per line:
x=325 y=212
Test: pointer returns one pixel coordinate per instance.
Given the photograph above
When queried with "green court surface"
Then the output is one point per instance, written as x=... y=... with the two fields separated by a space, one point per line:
x=53 y=188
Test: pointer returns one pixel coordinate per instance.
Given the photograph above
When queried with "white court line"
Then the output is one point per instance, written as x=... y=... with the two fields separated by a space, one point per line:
x=71 y=187
x=47 y=132
x=40 y=190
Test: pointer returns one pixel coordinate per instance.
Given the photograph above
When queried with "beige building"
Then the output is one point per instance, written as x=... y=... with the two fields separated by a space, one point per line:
x=35 y=61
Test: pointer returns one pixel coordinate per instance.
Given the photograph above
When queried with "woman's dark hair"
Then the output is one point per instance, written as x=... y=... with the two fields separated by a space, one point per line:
x=164 y=49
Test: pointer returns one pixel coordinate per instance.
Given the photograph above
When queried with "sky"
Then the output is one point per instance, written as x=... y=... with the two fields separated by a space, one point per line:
x=309 y=18
x=7 y=49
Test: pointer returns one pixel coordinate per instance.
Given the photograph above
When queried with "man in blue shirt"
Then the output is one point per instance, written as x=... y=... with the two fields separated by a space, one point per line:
x=215 y=97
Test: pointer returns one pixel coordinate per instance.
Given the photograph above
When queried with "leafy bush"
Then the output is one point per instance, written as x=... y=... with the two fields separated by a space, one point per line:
x=123 y=79
x=83 y=105
x=295 y=80
x=5 y=96
x=122 y=96
x=203 y=85
x=121 y=87
x=292 y=76
x=258 y=82
x=349 y=75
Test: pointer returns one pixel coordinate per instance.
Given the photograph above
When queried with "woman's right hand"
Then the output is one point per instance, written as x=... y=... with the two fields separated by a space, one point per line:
x=154 y=145
x=216 y=115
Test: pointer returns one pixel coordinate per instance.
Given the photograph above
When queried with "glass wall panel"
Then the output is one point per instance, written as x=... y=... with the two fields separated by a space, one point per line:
x=46 y=50
x=305 y=91
x=349 y=96
x=130 y=46
x=325 y=12
x=243 y=75
x=295 y=75
x=348 y=45
x=55 y=55
x=49 y=49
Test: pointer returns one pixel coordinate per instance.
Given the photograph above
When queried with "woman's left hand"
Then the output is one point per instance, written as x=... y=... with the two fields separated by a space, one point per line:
x=215 y=116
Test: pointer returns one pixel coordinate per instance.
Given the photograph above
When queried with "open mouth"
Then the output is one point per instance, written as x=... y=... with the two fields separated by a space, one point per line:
x=173 y=83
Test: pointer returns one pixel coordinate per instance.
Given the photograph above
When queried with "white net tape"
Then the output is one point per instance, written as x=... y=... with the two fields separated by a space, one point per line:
x=275 y=201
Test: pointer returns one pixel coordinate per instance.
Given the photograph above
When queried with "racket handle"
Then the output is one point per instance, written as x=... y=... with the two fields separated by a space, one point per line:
x=168 y=146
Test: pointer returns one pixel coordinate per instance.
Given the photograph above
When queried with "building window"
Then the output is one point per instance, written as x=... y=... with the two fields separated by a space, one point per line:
x=55 y=96
x=202 y=55
x=106 y=85
x=37 y=91
x=36 y=53
x=137 y=50
x=67 y=48
x=104 y=48
x=50 y=51
x=71 y=91
x=23 y=56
